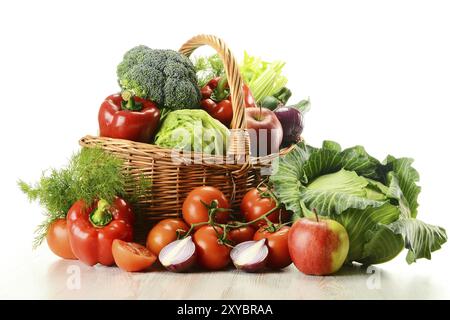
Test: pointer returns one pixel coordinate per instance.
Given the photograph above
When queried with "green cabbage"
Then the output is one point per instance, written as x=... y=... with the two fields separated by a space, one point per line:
x=193 y=130
x=376 y=202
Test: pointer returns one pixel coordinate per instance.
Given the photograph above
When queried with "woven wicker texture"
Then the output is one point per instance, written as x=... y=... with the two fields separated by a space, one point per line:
x=174 y=175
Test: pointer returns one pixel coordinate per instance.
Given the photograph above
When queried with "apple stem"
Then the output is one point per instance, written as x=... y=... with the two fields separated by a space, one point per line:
x=315 y=213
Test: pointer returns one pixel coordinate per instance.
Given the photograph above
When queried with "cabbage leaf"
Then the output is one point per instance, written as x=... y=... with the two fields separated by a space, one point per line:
x=375 y=201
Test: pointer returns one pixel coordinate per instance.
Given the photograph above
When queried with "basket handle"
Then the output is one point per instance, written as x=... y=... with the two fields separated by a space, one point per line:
x=234 y=78
x=239 y=138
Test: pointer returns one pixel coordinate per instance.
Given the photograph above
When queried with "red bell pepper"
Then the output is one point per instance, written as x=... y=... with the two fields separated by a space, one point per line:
x=127 y=117
x=216 y=100
x=93 y=229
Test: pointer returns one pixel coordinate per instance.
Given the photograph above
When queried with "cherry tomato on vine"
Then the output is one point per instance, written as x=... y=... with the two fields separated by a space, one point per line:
x=163 y=233
x=194 y=210
x=241 y=234
x=254 y=205
x=211 y=254
x=131 y=257
x=277 y=242
x=58 y=239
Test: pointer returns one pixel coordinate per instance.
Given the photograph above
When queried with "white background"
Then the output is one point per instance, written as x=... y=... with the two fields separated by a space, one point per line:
x=377 y=72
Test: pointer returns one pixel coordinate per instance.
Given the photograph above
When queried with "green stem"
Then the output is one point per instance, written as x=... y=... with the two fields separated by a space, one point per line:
x=180 y=232
x=236 y=224
x=212 y=209
x=315 y=213
x=267 y=220
x=223 y=238
x=308 y=213
x=220 y=93
x=264 y=216
x=101 y=216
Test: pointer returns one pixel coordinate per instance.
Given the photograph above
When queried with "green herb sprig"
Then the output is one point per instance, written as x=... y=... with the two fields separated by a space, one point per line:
x=91 y=174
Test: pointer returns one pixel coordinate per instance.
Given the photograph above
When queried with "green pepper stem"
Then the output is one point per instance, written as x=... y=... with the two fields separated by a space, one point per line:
x=129 y=103
x=101 y=216
x=220 y=93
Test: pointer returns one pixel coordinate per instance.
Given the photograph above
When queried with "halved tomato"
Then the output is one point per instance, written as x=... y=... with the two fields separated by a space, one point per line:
x=132 y=257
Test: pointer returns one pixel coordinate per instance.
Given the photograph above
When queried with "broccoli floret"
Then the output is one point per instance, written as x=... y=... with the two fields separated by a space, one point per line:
x=166 y=77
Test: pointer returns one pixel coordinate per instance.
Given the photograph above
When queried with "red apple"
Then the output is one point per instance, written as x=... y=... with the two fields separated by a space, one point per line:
x=265 y=131
x=318 y=246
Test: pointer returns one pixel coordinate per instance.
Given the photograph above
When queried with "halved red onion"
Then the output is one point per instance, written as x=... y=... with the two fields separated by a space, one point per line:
x=178 y=255
x=250 y=256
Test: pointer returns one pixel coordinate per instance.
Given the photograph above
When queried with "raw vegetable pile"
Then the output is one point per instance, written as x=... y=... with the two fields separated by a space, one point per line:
x=172 y=102
x=320 y=208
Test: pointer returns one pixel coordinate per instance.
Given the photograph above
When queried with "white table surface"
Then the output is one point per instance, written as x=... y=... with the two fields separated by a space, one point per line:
x=40 y=275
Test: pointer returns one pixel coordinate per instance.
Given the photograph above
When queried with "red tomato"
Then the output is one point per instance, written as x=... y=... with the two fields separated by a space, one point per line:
x=194 y=211
x=277 y=242
x=58 y=239
x=163 y=233
x=241 y=234
x=210 y=254
x=131 y=257
x=253 y=206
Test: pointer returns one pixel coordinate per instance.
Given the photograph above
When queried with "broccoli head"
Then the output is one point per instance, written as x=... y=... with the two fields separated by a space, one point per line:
x=166 y=77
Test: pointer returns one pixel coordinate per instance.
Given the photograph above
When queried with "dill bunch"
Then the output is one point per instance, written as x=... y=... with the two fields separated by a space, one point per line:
x=90 y=174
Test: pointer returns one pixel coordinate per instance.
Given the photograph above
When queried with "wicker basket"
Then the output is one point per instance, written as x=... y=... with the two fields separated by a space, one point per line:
x=174 y=176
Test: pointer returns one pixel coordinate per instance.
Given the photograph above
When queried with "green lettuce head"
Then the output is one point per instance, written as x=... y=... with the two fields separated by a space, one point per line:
x=193 y=131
